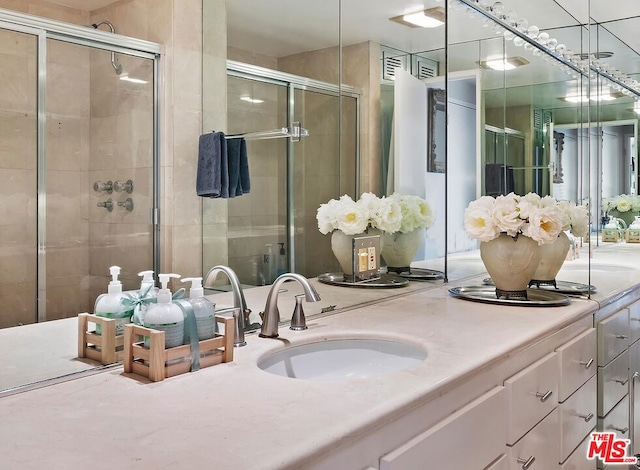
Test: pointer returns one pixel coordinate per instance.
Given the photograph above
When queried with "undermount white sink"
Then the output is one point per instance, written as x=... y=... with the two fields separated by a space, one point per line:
x=342 y=359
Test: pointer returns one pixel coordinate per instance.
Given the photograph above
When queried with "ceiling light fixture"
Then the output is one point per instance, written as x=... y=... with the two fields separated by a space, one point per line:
x=583 y=98
x=429 y=18
x=248 y=99
x=503 y=63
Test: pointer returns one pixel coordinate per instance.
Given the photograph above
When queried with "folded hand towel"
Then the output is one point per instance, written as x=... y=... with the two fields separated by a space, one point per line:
x=212 y=178
x=238 y=167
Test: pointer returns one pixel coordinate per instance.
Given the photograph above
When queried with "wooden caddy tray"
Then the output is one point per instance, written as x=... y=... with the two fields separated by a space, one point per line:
x=157 y=363
x=106 y=348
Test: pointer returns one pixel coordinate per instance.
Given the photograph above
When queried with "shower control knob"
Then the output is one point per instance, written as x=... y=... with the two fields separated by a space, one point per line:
x=108 y=204
x=127 y=204
x=120 y=186
x=100 y=186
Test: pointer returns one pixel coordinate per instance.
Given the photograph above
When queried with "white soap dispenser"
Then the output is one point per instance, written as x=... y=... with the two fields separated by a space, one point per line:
x=165 y=315
x=109 y=306
x=203 y=309
x=147 y=290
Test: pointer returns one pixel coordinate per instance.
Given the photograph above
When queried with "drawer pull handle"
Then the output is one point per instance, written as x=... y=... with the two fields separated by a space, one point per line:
x=526 y=463
x=635 y=375
x=621 y=336
x=587 y=364
x=620 y=430
x=622 y=382
x=544 y=396
x=586 y=418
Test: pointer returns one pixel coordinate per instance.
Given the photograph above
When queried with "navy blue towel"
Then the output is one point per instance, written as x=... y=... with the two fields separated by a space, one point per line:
x=212 y=178
x=239 y=183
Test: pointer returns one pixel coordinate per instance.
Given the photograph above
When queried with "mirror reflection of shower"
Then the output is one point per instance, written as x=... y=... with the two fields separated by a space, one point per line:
x=117 y=66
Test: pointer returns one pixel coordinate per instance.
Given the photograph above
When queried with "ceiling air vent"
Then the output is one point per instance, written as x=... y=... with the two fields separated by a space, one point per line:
x=390 y=64
x=426 y=68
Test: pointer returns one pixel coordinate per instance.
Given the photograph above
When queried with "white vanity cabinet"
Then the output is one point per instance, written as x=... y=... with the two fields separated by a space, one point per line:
x=473 y=437
x=553 y=407
x=618 y=372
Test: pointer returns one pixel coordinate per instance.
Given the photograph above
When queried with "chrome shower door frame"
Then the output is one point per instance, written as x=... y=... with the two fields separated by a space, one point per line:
x=44 y=29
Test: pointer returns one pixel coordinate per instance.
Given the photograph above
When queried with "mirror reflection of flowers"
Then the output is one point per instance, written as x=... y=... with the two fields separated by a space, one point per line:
x=389 y=214
x=622 y=203
x=539 y=218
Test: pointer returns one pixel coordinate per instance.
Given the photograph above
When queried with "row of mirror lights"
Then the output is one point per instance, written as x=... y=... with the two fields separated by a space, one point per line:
x=512 y=27
x=117 y=186
x=110 y=186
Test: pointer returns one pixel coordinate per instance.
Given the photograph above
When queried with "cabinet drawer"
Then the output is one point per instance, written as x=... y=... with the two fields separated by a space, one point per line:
x=634 y=359
x=539 y=446
x=578 y=460
x=577 y=360
x=613 y=336
x=634 y=395
x=634 y=322
x=617 y=421
x=613 y=383
x=577 y=417
x=531 y=394
x=466 y=429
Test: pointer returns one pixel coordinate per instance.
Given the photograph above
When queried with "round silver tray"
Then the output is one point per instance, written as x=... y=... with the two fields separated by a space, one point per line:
x=386 y=281
x=419 y=274
x=487 y=294
x=562 y=287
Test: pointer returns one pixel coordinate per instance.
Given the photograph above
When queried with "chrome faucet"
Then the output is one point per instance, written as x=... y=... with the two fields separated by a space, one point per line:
x=241 y=311
x=270 y=315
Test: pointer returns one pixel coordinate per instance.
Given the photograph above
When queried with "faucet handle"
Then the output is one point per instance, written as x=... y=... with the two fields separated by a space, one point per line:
x=298 y=320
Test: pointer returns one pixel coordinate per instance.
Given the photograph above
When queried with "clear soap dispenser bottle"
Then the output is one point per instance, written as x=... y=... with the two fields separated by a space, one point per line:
x=165 y=315
x=203 y=309
x=109 y=306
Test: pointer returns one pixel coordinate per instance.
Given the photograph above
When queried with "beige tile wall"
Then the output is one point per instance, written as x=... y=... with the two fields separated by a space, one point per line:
x=18 y=125
x=77 y=127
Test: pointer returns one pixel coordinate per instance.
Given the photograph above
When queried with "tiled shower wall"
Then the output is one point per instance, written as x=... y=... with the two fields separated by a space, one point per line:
x=176 y=25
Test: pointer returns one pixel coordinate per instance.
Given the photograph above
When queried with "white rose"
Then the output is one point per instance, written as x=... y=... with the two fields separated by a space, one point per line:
x=544 y=225
x=388 y=215
x=579 y=221
x=351 y=218
x=479 y=220
x=506 y=214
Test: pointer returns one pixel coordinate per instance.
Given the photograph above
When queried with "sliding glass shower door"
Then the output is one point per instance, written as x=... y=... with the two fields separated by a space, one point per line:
x=18 y=175
x=78 y=161
x=273 y=229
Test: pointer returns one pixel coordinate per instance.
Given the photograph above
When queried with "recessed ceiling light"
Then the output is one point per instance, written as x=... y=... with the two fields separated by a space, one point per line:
x=429 y=18
x=251 y=100
x=503 y=63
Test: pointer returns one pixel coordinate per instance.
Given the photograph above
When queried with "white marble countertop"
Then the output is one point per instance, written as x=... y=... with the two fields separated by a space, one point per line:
x=235 y=416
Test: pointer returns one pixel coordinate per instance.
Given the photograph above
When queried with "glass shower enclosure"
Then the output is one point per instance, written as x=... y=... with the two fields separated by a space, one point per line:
x=273 y=229
x=78 y=161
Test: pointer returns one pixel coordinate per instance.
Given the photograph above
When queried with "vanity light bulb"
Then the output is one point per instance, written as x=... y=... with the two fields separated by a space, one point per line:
x=543 y=38
x=552 y=43
x=511 y=18
x=518 y=41
x=561 y=49
x=533 y=31
x=508 y=35
x=537 y=52
x=528 y=47
x=522 y=24
x=497 y=8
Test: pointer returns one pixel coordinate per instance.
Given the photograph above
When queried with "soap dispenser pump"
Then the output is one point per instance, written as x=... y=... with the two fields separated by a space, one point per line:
x=165 y=315
x=147 y=291
x=109 y=306
x=203 y=309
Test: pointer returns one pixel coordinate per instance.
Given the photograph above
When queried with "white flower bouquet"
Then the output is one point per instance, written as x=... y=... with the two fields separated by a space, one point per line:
x=416 y=212
x=622 y=203
x=353 y=217
x=539 y=218
x=396 y=213
x=576 y=218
